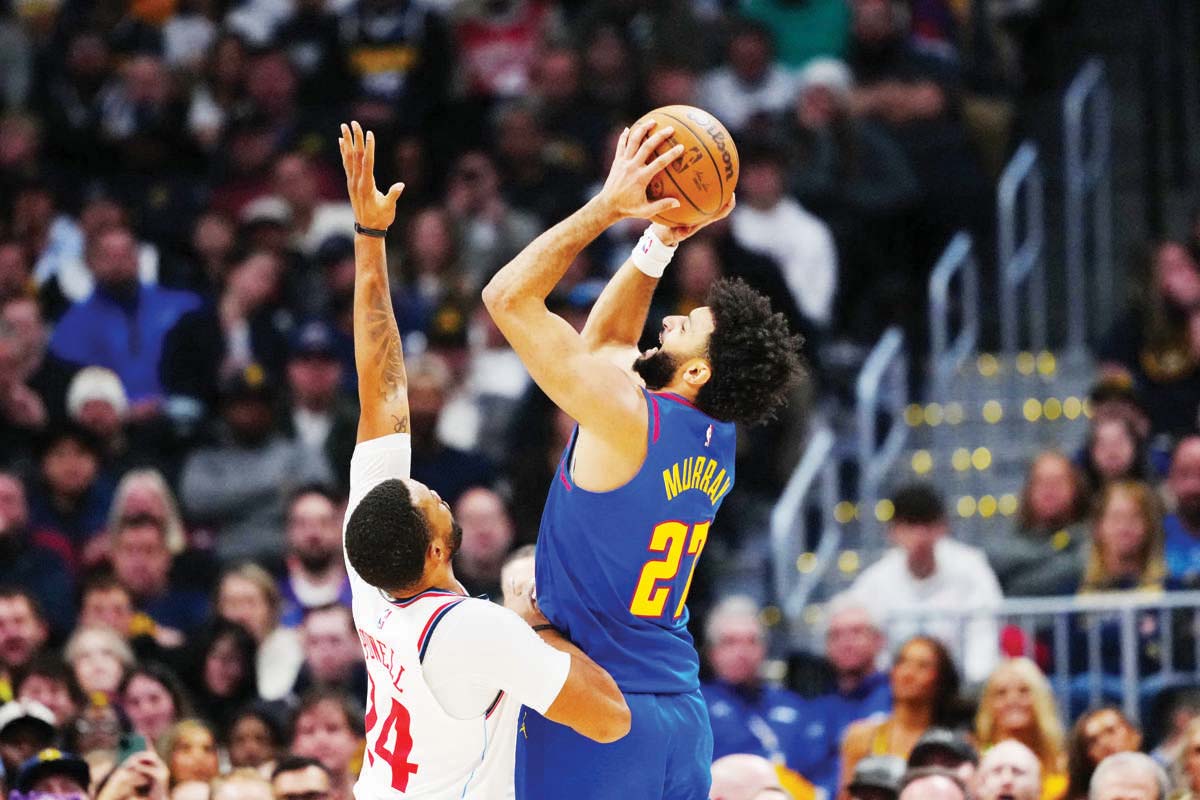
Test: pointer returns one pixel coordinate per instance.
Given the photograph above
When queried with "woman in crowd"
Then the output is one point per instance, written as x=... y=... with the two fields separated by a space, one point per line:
x=190 y=750
x=1127 y=541
x=1115 y=451
x=925 y=687
x=255 y=740
x=1097 y=735
x=99 y=658
x=154 y=700
x=249 y=596
x=329 y=727
x=226 y=677
x=1044 y=554
x=1017 y=703
x=146 y=492
x=49 y=681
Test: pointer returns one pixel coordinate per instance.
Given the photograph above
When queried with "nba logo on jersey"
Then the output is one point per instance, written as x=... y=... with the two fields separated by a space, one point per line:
x=708 y=436
x=387 y=612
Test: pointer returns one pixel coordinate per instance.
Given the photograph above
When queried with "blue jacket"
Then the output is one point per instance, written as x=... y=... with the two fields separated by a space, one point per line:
x=873 y=696
x=795 y=728
x=124 y=334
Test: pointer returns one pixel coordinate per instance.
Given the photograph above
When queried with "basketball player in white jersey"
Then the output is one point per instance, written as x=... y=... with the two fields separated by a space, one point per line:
x=441 y=665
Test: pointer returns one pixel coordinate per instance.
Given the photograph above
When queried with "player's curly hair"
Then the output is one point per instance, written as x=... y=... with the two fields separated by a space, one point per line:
x=755 y=358
x=387 y=537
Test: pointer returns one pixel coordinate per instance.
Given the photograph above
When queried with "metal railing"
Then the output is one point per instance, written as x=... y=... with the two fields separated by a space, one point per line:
x=1087 y=138
x=1020 y=249
x=1096 y=646
x=881 y=391
x=810 y=494
x=946 y=357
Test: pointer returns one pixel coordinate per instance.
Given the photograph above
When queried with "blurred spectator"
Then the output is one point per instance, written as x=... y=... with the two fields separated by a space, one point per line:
x=446 y=470
x=925 y=688
x=876 y=778
x=141 y=561
x=99 y=658
x=330 y=655
x=224 y=678
x=945 y=749
x=532 y=182
x=744 y=776
x=1186 y=768
x=400 y=61
x=498 y=43
x=1127 y=542
x=1129 y=776
x=238 y=485
x=770 y=222
x=53 y=238
x=33 y=383
x=491 y=231
x=1156 y=343
x=146 y=492
x=322 y=418
x=209 y=345
x=312 y=220
x=1044 y=553
x=926 y=571
x=190 y=750
x=915 y=94
x=1183 y=525
x=154 y=700
x=434 y=297
x=96 y=734
x=247 y=595
x=487 y=536
x=27 y=564
x=72 y=494
x=300 y=778
x=932 y=784
x=751 y=84
x=241 y=784
x=1097 y=735
x=123 y=323
x=1017 y=704
x=1115 y=452
x=209 y=253
x=49 y=681
x=803 y=30
x=853 y=644
x=52 y=773
x=748 y=714
x=328 y=726
x=1011 y=771
x=25 y=728
x=314 y=47
x=143 y=118
x=316 y=570
x=255 y=740
x=23 y=633
x=574 y=126
x=14 y=264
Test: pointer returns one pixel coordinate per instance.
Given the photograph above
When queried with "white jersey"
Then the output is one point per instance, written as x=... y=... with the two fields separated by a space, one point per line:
x=442 y=671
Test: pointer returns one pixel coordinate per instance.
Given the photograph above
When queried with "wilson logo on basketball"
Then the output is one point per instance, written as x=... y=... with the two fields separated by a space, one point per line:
x=714 y=129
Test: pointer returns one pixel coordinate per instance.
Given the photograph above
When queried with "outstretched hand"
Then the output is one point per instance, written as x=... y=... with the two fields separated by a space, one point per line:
x=671 y=235
x=634 y=166
x=372 y=208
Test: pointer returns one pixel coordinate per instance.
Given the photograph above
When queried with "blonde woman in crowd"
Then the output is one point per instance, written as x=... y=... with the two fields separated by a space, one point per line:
x=249 y=596
x=1017 y=703
x=1127 y=551
x=1186 y=771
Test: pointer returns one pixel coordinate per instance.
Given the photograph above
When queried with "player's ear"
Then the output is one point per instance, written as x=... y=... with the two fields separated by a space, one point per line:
x=697 y=372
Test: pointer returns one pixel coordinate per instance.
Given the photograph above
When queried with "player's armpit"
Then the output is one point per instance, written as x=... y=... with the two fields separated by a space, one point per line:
x=590 y=703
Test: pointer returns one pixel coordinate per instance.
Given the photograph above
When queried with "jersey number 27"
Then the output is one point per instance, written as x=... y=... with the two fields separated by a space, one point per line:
x=650 y=597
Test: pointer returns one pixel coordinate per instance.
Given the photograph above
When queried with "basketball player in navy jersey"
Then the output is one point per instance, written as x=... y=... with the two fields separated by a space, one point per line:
x=649 y=463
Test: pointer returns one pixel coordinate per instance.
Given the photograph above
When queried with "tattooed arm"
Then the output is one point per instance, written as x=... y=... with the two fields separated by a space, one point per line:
x=382 y=383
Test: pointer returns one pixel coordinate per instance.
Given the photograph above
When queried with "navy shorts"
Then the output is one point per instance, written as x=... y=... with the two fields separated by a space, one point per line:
x=667 y=755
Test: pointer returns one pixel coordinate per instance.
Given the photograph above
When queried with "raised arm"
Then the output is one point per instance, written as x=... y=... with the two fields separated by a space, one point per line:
x=596 y=393
x=378 y=355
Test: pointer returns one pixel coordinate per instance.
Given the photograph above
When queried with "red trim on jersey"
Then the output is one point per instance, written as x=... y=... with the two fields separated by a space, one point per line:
x=405 y=602
x=654 y=405
x=495 y=704
x=562 y=476
x=676 y=398
x=432 y=617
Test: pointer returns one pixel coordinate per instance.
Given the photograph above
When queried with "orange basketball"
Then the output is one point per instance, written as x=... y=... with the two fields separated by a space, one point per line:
x=704 y=177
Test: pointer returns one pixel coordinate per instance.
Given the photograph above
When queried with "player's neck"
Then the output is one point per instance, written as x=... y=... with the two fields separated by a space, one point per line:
x=682 y=389
x=441 y=579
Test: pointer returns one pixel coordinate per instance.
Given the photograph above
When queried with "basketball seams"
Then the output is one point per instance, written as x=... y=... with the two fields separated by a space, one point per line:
x=716 y=164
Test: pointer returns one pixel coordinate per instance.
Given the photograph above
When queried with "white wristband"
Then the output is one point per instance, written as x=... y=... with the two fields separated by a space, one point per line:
x=650 y=255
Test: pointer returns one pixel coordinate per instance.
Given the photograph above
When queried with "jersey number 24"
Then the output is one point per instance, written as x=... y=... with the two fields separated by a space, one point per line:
x=396 y=755
x=655 y=583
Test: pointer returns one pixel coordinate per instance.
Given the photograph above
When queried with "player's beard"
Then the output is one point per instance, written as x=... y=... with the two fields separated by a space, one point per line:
x=657 y=369
x=456 y=534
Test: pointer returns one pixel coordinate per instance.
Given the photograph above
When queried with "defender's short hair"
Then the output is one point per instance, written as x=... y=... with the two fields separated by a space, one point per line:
x=387 y=537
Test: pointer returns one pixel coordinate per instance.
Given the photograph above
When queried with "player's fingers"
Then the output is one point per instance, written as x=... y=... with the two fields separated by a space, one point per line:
x=394 y=193
x=662 y=162
x=369 y=157
x=358 y=135
x=652 y=143
x=658 y=207
x=637 y=136
x=621 y=142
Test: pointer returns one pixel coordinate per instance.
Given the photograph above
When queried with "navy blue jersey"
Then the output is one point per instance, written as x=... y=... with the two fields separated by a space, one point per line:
x=614 y=568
